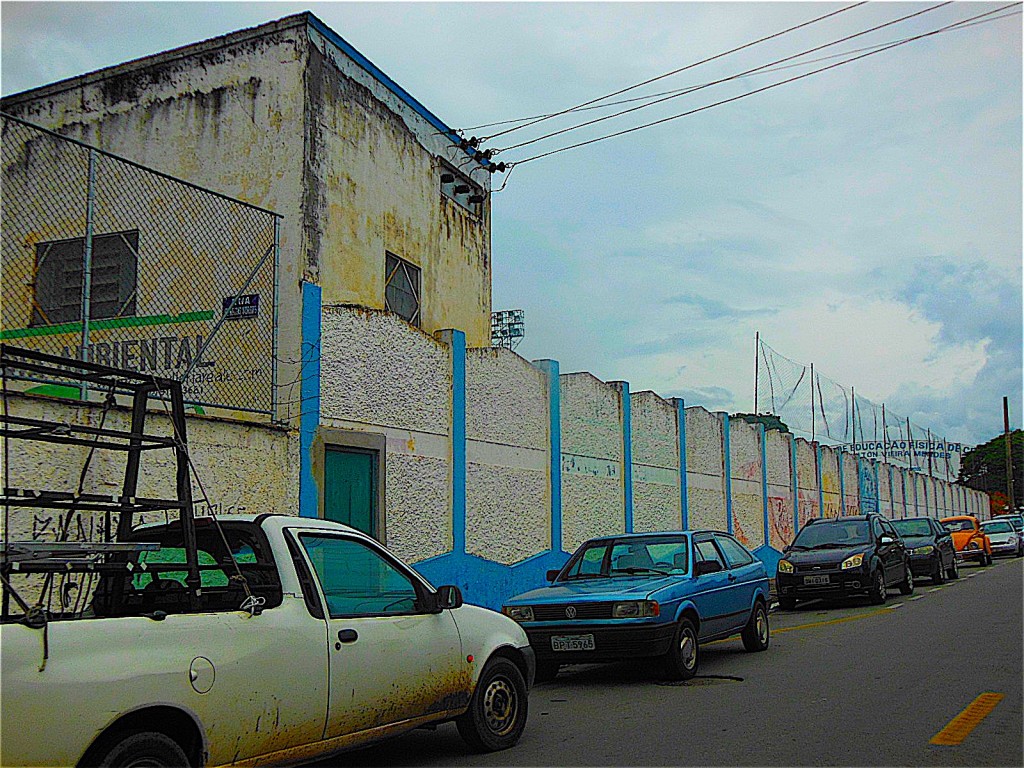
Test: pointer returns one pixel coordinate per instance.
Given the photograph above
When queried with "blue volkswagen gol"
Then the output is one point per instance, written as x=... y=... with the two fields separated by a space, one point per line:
x=652 y=595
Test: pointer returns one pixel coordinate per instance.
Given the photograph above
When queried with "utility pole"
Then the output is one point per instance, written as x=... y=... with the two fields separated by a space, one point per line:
x=812 y=402
x=1009 y=454
x=757 y=365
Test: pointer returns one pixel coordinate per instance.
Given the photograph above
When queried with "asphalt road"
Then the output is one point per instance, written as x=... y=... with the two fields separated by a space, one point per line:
x=846 y=684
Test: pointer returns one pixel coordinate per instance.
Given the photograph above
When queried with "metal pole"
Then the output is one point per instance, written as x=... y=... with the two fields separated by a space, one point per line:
x=757 y=368
x=757 y=365
x=275 y=355
x=1009 y=455
x=90 y=201
x=885 y=436
x=812 y=402
x=930 y=452
x=853 y=413
x=910 y=442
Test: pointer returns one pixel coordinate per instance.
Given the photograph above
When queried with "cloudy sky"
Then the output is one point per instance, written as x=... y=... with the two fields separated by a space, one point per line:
x=866 y=219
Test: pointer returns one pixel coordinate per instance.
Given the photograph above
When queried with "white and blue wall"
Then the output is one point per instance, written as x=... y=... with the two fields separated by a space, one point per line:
x=496 y=468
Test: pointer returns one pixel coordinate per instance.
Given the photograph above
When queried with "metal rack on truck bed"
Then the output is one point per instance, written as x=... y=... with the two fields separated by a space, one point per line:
x=61 y=556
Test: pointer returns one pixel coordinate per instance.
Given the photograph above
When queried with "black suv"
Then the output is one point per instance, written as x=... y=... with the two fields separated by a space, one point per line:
x=843 y=557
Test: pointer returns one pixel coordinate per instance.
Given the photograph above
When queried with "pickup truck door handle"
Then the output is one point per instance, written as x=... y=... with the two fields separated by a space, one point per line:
x=347 y=636
x=732 y=577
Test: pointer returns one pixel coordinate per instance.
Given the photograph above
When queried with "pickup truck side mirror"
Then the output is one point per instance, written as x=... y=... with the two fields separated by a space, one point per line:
x=886 y=539
x=706 y=566
x=552 y=575
x=449 y=597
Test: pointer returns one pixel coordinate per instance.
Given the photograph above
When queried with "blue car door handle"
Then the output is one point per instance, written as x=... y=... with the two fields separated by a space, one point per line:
x=732 y=577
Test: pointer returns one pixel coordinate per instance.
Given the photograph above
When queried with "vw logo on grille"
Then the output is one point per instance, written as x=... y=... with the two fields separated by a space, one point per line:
x=570 y=612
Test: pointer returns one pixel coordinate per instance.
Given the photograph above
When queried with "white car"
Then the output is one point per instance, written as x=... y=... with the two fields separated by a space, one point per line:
x=306 y=637
x=1004 y=539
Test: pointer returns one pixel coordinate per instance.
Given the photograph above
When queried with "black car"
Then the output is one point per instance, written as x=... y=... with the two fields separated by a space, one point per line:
x=843 y=557
x=929 y=547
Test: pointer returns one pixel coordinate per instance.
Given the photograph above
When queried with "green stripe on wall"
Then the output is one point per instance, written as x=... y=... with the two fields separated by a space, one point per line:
x=100 y=325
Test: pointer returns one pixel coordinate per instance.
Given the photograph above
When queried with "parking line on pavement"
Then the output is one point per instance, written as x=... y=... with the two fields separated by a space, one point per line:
x=917 y=597
x=833 y=621
x=935 y=589
x=960 y=727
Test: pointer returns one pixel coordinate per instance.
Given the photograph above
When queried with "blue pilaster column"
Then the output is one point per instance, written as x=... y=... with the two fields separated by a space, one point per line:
x=794 y=471
x=684 y=504
x=627 y=454
x=817 y=472
x=309 y=392
x=550 y=369
x=764 y=484
x=727 y=469
x=842 y=481
x=456 y=340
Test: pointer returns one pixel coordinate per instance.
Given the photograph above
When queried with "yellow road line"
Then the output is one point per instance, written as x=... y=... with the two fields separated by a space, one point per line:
x=960 y=727
x=833 y=621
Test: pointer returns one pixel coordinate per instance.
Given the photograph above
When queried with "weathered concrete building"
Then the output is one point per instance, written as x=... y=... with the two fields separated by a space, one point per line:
x=380 y=205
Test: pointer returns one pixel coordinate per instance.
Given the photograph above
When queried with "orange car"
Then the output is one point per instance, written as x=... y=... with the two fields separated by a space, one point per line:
x=970 y=541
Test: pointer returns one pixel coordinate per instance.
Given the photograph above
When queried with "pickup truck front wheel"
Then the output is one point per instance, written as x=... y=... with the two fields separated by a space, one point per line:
x=146 y=749
x=497 y=712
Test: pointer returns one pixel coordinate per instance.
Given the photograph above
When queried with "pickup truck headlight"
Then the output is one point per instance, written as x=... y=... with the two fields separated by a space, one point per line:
x=785 y=566
x=636 y=609
x=925 y=550
x=518 y=612
x=853 y=561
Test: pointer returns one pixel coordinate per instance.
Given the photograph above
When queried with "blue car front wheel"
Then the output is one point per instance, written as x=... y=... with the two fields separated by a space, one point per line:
x=684 y=653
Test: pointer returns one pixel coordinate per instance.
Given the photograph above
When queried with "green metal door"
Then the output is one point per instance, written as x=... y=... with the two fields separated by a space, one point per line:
x=350 y=494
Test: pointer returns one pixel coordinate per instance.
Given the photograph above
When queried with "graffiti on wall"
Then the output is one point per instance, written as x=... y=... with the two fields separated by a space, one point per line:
x=780 y=521
x=868 y=483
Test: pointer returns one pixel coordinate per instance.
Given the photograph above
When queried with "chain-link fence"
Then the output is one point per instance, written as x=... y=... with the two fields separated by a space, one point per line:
x=818 y=408
x=107 y=261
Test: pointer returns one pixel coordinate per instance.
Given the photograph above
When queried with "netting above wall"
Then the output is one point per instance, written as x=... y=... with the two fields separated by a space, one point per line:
x=107 y=261
x=821 y=409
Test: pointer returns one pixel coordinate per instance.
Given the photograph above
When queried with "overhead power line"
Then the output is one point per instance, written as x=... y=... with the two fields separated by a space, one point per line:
x=770 y=69
x=677 y=71
x=964 y=22
x=725 y=79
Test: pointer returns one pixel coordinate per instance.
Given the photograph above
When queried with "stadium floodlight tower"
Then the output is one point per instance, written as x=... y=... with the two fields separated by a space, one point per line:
x=507 y=328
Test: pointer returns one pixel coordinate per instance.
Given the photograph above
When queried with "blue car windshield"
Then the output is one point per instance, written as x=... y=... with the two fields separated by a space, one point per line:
x=635 y=556
x=833 y=533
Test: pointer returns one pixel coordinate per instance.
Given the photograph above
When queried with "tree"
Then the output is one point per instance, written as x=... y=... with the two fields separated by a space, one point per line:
x=984 y=468
x=769 y=420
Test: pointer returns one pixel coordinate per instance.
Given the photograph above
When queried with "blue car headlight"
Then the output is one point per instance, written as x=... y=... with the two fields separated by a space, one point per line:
x=636 y=609
x=518 y=612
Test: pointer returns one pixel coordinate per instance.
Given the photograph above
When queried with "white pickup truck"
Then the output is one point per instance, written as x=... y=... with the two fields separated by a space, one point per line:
x=309 y=638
